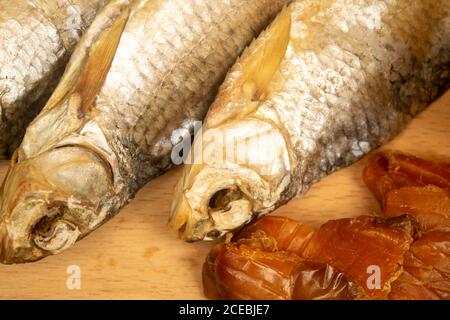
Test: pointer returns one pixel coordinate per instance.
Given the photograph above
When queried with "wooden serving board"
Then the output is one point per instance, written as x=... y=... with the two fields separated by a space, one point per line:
x=135 y=256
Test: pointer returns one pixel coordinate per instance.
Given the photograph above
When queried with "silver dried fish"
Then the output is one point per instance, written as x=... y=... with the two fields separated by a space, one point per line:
x=327 y=83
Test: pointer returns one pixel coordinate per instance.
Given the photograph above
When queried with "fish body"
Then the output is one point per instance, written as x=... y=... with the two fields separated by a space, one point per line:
x=325 y=84
x=36 y=41
x=143 y=71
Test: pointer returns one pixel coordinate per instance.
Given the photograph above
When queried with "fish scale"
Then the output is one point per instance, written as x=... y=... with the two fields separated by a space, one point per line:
x=222 y=57
x=36 y=39
x=343 y=77
x=143 y=69
x=390 y=124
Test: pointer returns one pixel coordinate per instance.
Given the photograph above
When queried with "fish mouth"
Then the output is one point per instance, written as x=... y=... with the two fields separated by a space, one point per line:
x=218 y=202
x=35 y=230
x=53 y=232
x=227 y=210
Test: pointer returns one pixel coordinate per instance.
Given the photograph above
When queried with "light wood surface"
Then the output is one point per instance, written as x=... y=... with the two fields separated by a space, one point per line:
x=135 y=256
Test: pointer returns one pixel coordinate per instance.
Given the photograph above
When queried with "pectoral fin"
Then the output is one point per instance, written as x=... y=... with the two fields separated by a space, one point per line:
x=256 y=68
x=99 y=62
x=92 y=60
x=262 y=65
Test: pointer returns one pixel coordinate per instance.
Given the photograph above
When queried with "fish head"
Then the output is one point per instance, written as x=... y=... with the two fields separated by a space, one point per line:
x=240 y=173
x=240 y=165
x=50 y=201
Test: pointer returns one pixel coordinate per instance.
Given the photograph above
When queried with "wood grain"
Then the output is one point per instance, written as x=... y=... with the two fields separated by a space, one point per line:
x=135 y=256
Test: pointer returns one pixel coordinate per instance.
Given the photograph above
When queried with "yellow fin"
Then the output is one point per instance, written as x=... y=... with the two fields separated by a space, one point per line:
x=99 y=62
x=264 y=62
x=118 y=11
x=240 y=95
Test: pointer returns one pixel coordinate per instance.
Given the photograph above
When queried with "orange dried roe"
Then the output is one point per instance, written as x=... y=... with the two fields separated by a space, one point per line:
x=280 y=258
x=405 y=184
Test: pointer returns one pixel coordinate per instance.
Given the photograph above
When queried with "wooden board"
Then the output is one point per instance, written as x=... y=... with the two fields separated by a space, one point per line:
x=135 y=256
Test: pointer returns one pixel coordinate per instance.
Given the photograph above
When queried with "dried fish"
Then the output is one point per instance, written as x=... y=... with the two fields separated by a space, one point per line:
x=328 y=82
x=143 y=70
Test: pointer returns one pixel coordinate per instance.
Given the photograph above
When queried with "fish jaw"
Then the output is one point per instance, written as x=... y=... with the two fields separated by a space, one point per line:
x=51 y=201
x=241 y=173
